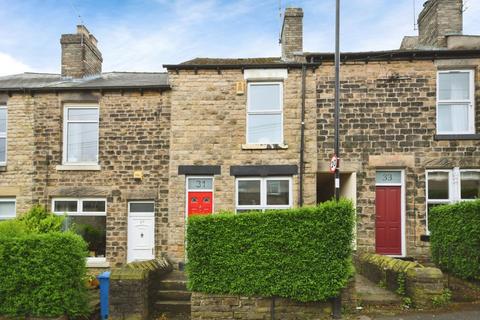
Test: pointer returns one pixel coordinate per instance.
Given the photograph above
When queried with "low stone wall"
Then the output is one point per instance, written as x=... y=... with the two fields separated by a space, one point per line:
x=224 y=307
x=411 y=279
x=424 y=285
x=132 y=288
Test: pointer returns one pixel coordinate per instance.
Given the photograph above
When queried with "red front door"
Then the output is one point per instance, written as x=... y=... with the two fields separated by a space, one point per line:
x=388 y=224
x=200 y=203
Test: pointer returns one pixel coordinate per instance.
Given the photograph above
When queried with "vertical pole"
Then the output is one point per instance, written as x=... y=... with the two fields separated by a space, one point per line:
x=337 y=301
x=337 y=99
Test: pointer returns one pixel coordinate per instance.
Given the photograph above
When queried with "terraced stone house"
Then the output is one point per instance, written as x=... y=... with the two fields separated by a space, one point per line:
x=134 y=154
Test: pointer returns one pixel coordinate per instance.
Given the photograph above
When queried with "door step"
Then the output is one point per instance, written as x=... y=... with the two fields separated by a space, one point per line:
x=173 y=300
x=175 y=295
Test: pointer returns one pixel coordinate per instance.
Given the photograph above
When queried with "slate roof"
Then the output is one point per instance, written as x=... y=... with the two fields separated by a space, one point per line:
x=233 y=61
x=107 y=80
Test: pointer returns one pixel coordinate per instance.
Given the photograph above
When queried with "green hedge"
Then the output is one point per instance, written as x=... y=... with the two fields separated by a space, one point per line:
x=455 y=238
x=303 y=254
x=42 y=274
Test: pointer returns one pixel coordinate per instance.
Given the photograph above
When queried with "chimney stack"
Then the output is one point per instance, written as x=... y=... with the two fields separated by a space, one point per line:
x=291 y=36
x=80 y=55
x=439 y=19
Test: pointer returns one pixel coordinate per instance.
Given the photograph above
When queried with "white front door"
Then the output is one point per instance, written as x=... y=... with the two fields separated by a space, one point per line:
x=141 y=231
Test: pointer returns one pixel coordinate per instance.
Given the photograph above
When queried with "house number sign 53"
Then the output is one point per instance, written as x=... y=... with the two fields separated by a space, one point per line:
x=389 y=177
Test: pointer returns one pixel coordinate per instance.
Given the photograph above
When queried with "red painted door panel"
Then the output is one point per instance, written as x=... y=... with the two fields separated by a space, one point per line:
x=388 y=224
x=200 y=203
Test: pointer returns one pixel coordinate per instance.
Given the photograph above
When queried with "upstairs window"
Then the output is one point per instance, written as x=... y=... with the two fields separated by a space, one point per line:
x=264 y=113
x=455 y=102
x=3 y=135
x=81 y=135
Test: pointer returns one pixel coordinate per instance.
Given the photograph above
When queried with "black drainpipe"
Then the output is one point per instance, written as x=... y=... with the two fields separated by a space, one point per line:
x=302 y=138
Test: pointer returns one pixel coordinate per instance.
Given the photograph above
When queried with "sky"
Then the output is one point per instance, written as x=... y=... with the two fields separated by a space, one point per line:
x=141 y=35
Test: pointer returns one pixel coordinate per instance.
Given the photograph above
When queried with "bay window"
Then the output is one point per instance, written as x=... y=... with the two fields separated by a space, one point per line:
x=455 y=102
x=263 y=193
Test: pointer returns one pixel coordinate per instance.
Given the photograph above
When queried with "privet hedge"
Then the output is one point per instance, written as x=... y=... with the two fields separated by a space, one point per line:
x=303 y=254
x=455 y=238
x=42 y=272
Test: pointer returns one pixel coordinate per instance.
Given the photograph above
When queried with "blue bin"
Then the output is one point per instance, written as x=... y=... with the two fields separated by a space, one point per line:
x=104 y=280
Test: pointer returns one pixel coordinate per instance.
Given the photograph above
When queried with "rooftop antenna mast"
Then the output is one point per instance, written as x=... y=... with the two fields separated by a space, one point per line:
x=80 y=19
x=415 y=15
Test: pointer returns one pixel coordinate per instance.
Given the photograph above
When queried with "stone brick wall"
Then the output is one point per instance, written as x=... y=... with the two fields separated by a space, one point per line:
x=389 y=121
x=133 y=289
x=209 y=128
x=207 y=306
x=438 y=19
x=16 y=178
x=134 y=135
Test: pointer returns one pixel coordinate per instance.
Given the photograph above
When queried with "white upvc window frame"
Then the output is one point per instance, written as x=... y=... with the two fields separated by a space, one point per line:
x=265 y=112
x=143 y=213
x=460 y=183
x=65 y=132
x=437 y=201
x=4 y=135
x=454 y=188
x=263 y=194
x=9 y=199
x=470 y=102
x=91 y=261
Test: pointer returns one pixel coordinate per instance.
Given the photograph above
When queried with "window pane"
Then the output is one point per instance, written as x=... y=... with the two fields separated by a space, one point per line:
x=264 y=97
x=453 y=118
x=3 y=150
x=249 y=193
x=3 y=120
x=470 y=184
x=393 y=177
x=142 y=207
x=438 y=185
x=90 y=114
x=454 y=86
x=82 y=142
x=265 y=129
x=93 y=206
x=278 y=192
x=7 y=209
x=200 y=183
x=65 y=206
x=93 y=231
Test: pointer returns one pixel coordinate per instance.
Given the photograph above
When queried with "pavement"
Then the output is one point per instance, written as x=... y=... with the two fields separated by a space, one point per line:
x=462 y=312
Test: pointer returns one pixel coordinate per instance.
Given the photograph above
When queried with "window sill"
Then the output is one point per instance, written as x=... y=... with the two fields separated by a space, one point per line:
x=97 y=263
x=3 y=168
x=442 y=137
x=71 y=167
x=264 y=146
